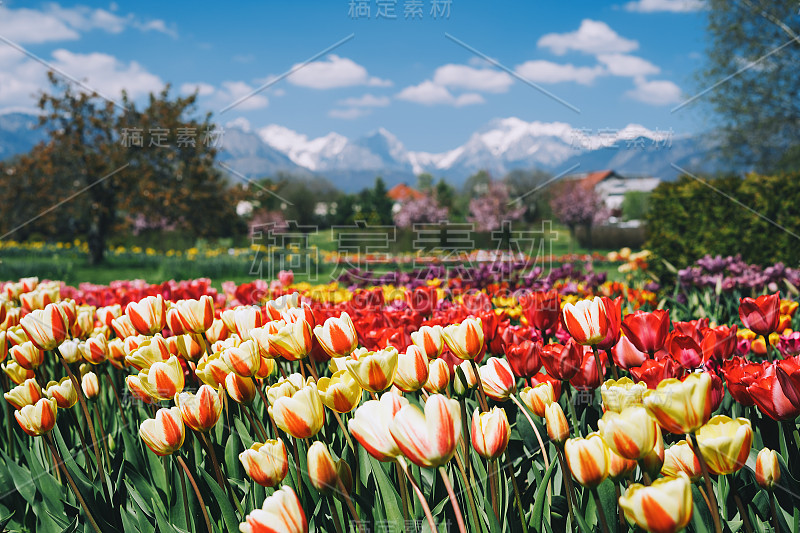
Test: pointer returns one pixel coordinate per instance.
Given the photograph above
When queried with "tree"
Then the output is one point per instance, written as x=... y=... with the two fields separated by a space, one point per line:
x=753 y=61
x=635 y=205
x=575 y=205
x=423 y=210
x=445 y=194
x=528 y=186
x=489 y=210
x=425 y=182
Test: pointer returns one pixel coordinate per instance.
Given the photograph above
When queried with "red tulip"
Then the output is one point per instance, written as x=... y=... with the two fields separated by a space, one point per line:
x=684 y=349
x=719 y=343
x=647 y=331
x=693 y=328
x=739 y=374
x=653 y=372
x=588 y=377
x=541 y=309
x=626 y=355
x=524 y=358
x=422 y=300
x=769 y=395
x=614 y=316
x=562 y=362
x=761 y=314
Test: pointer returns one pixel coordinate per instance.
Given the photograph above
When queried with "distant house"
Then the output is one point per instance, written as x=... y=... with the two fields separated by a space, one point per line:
x=402 y=193
x=612 y=186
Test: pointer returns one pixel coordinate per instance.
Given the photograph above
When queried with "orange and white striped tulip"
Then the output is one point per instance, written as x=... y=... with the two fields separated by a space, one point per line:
x=266 y=463
x=725 y=443
x=174 y=323
x=196 y=315
x=286 y=387
x=464 y=378
x=242 y=319
x=190 y=346
x=39 y=418
x=302 y=312
x=106 y=314
x=63 y=392
x=428 y=439
x=490 y=432
x=83 y=324
x=116 y=353
x=150 y=351
x=27 y=355
x=337 y=336
x=498 y=379
x=370 y=425
x=302 y=414
x=70 y=350
x=123 y=327
x=241 y=390
x=276 y=308
x=465 y=340
x=138 y=390
x=28 y=393
x=438 y=376
x=281 y=513
x=374 y=371
x=768 y=470
x=292 y=341
x=412 y=369
x=37 y=300
x=267 y=367
x=621 y=393
x=46 y=328
x=556 y=423
x=12 y=318
x=70 y=309
x=680 y=457
x=429 y=339
x=90 y=385
x=340 y=392
x=16 y=373
x=630 y=434
x=587 y=459
x=149 y=315
x=586 y=320
x=163 y=379
x=619 y=467
x=681 y=406
x=95 y=349
x=322 y=471
x=28 y=284
x=244 y=360
x=212 y=370
x=663 y=507
x=200 y=411
x=538 y=397
x=16 y=335
x=653 y=462
x=164 y=434
x=217 y=331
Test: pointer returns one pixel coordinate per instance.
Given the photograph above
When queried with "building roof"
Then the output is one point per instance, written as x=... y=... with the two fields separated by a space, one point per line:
x=402 y=193
x=592 y=179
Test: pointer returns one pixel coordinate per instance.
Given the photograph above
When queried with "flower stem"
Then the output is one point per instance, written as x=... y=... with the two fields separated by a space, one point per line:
x=774 y=511
x=517 y=499
x=567 y=476
x=337 y=524
x=481 y=393
x=196 y=491
x=535 y=431
x=421 y=497
x=601 y=514
x=185 y=502
x=453 y=501
x=748 y=528
x=712 y=498
x=60 y=463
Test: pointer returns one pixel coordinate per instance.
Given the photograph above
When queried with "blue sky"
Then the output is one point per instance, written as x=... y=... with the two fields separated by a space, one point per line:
x=617 y=62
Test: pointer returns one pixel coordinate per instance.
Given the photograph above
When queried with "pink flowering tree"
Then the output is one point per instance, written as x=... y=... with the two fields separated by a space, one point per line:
x=576 y=205
x=494 y=207
x=421 y=211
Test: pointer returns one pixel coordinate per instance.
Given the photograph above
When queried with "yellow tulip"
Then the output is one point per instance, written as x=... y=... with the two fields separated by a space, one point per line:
x=663 y=507
x=725 y=443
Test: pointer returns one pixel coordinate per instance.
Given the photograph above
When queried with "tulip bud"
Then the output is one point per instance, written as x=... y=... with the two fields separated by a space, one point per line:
x=321 y=468
x=556 y=422
x=267 y=464
x=39 y=418
x=681 y=458
x=340 y=392
x=439 y=376
x=465 y=340
x=428 y=439
x=630 y=434
x=498 y=379
x=490 y=432
x=241 y=390
x=283 y=304
x=27 y=355
x=665 y=506
x=337 y=336
x=46 y=328
x=429 y=340
x=302 y=414
x=28 y=393
x=370 y=425
x=200 y=411
x=587 y=459
x=768 y=471
x=281 y=512
x=586 y=321
x=465 y=378
x=538 y=397
x=374 y=371
x=90 y=385
x=163 y=434
x=725 y=443
x=761 y=314
x=292 y=341
x=412 y=369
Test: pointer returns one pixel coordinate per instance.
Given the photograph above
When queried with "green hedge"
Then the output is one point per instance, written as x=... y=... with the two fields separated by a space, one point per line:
x=688 y=219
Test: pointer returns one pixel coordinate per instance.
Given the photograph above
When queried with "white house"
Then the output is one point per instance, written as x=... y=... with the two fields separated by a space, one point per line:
x=612 y=186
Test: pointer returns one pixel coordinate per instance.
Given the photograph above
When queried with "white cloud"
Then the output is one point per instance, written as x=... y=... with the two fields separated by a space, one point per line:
x=656 y=92
x=429 y=93
x=674 y=6
x=627 y=65
x=474 y=79
x=368 y=100
x=548 y=72
x=202 y=89
x=240 y=123
x=231 y=91
x=592 y=37
x=56 y=23
x=349 y=114
x=334 y=72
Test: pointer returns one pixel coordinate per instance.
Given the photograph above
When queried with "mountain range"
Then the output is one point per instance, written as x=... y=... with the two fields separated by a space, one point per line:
x=499 y=147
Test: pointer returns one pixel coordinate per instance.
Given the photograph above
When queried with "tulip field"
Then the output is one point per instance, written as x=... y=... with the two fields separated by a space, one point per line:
x=494 y=402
